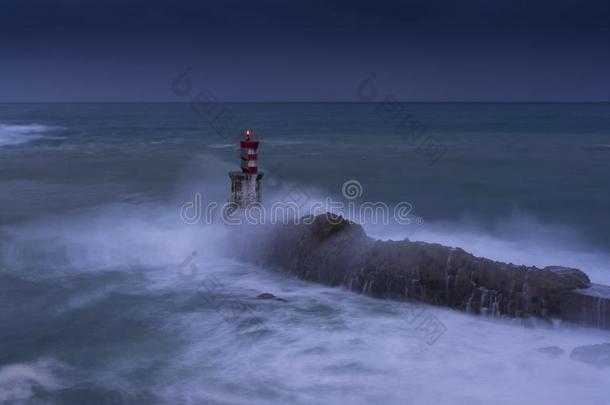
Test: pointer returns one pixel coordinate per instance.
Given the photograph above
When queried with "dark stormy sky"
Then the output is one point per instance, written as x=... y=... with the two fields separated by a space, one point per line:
x=316 y=50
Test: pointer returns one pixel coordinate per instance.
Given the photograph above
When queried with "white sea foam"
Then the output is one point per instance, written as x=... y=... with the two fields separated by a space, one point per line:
x=18 y=134
x=324 y=345
x=19 y=380
x=293 y=142
x=221 y=145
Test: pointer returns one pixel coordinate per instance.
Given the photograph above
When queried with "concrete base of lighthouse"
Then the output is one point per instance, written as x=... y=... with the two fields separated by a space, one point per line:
x=246 y=188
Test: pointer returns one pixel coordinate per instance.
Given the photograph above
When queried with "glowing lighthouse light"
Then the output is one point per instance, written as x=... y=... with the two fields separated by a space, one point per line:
x=246 y=187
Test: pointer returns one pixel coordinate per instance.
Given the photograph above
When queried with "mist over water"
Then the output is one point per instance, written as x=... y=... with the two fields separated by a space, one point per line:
x=108 y=297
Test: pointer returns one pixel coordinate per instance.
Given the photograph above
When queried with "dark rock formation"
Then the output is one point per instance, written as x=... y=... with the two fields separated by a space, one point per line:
x=269 y=296
x=265 y=296
x=331 y=250
x=552 y=351
x=596 y=355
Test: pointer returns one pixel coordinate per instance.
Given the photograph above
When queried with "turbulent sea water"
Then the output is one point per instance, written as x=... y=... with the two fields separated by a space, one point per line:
x=95 y=307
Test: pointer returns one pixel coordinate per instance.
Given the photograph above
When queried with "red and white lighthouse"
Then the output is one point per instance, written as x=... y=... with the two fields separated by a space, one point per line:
x=249 y=157
x=246 y=186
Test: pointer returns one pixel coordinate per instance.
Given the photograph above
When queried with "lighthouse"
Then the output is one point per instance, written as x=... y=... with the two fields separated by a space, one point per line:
x=246 y=185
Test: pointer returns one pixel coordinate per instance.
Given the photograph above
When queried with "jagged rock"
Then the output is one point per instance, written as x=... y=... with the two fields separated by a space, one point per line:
x=596 y=355
x=331 y=250
x=553 y=351
x=269 y=296
x=588 y=306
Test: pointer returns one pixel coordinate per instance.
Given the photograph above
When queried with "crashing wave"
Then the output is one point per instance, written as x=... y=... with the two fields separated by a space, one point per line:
x=11 y=135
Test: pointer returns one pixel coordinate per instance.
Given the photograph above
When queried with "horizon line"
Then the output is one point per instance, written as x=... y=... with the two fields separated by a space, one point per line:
x=322 y=102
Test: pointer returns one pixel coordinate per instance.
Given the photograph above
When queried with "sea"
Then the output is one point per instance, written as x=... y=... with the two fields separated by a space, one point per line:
x=114 y=291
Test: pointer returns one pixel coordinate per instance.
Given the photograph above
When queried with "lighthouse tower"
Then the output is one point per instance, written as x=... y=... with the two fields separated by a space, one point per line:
x=246 y=186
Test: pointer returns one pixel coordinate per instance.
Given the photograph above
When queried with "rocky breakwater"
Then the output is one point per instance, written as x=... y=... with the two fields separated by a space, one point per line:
x=331 y=250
